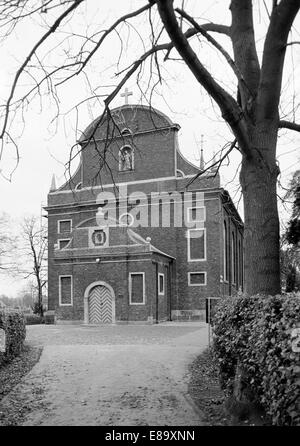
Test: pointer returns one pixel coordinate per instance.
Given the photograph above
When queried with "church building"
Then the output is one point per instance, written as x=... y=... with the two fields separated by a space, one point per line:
x=138 y=233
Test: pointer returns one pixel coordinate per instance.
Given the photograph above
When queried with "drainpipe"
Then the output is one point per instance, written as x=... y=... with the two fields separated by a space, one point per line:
x=156 y=293
x=170 y=290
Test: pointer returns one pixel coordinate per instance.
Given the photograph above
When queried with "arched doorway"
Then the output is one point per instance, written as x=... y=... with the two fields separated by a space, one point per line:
x=99 y=304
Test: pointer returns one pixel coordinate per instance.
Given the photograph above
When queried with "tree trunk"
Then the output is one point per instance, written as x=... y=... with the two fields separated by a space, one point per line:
x=259 y=181
x=40 y=293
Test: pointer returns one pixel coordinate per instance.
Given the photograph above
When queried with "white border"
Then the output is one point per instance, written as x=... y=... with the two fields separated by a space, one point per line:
x=233 y=258
x=124 y=224
x=58 y=228
x=196 y=207
x=225 y=251
x=130 y=288
x=188 y=245
x=59 y=293
x=197 y=284
x=126 y=131
x=86 y=300
x=161 y=293
x=112 y=185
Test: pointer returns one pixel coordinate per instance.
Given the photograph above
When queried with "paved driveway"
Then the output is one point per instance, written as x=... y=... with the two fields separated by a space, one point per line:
x=111 y=375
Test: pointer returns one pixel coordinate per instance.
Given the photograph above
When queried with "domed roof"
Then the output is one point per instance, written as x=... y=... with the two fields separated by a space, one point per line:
x=132 y=117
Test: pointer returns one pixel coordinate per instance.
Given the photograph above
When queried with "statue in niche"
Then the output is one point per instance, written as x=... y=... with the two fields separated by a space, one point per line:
x=126 y=159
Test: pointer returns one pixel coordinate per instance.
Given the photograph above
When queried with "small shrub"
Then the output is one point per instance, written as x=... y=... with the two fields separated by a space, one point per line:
x=49 y=317
x=13 y=323
x=254 y=334
x=32 y=319
x=37 y=308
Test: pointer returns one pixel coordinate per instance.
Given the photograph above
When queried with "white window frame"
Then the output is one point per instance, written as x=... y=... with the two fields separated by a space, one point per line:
x=197 y=284
x=189 y=247
x=225 y=252
x=126 y=131
x=196 y=207
x=233 y=258
x=59 y=292
x=135 y=273
x=58 y=226
x=63 y=240
x=161 y=293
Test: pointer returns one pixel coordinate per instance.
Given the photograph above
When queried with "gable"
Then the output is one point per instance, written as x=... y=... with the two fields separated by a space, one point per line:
x=147 y=133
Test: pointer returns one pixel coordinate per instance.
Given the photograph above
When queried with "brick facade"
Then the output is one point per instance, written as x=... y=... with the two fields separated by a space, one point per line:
x=155 y=246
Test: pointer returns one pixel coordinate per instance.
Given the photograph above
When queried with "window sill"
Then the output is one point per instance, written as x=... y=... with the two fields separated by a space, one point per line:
x=198 y=284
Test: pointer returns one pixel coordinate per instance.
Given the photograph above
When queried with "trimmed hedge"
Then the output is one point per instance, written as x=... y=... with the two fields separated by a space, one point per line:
x=254 y=336
x=32 y=319
x=13 y=323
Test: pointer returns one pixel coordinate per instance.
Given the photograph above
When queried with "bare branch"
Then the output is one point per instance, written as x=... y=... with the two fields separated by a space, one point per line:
x=217 y=163
x=281 y=20
x=289 y=125
x=219 y=47
x=105 y=34
x=295 y=42
x=51 y=30
x=216 y=28
x=230 y=110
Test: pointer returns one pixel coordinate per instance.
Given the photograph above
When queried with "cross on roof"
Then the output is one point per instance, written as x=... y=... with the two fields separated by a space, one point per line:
x=126 y=94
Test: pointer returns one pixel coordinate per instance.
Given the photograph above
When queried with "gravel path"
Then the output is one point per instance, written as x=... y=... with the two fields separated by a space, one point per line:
x=110 y=376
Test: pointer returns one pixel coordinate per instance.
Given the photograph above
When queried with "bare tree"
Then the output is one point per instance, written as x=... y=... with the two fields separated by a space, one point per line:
x=32 y=251
x=7 y=244
x=292 y=235
x=252 y=113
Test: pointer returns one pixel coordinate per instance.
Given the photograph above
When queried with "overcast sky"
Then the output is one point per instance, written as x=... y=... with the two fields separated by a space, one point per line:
x=44 y=147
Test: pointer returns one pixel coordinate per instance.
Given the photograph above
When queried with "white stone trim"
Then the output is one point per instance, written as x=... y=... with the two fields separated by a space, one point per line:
x=197 y=284
x=135 y=273
x=59 y=290
x=111 y=185
x=181 y=172
x=189 y=248
x=233 y=257
x=126 y=131
x=105 y=261
x=86 y=300
x=161 y=293
x=126 y=214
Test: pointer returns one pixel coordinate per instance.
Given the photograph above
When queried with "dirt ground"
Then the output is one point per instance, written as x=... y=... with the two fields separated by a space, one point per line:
x=109 y=376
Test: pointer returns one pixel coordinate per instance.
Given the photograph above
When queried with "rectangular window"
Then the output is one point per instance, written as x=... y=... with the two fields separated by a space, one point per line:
x=161 y=284
x=197 y=278
x=196 y=214
x=136 y=288
x=196 y=245
x=64 y=226
x=65 y=290
x=63 y=243
x=225 y=251
x=233 y=258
